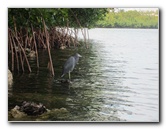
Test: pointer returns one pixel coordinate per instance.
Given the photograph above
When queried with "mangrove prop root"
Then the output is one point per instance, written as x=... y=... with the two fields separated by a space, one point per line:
x=48 y=48
x=24 y=39
x=36 y=52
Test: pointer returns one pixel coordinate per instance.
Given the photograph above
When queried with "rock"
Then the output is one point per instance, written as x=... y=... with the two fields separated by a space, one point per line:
x=27 y=108
x=10 y=78
x=32 y=54
x=15 y=113
x=33 y=109
x=17 y=49
x=54 y=114
x=62 y=47
x=61 y=110
x=27 y=50
x=38 y=111
x=66 y=81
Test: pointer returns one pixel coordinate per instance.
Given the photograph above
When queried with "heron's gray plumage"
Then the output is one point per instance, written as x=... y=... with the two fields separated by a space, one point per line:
x=70 y=64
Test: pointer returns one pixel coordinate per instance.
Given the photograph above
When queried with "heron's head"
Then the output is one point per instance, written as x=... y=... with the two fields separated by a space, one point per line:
x=77 y=57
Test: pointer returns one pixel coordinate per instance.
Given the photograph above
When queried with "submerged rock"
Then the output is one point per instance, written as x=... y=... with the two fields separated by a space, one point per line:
x=10 y=78
x=61 y=110
x=66 y=81
x=55 y=115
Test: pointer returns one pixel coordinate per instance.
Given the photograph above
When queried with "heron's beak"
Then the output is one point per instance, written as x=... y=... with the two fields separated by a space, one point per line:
x=79 y=55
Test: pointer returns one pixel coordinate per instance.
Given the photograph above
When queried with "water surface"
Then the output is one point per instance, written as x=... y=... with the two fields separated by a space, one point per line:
x=117 y=79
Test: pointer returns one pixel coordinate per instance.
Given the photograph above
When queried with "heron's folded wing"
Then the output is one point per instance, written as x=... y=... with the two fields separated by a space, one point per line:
x=69 y=65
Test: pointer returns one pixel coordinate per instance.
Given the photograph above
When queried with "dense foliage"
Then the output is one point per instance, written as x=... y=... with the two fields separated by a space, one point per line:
x=70 y=17
x=130 y=19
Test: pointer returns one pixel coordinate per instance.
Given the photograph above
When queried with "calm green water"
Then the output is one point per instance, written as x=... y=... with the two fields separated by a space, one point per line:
x=117 y=79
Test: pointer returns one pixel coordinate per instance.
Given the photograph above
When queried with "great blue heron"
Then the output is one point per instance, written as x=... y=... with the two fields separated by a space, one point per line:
x=70 y=64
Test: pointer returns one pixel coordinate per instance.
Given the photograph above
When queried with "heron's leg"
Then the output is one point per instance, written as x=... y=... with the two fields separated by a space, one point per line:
x=69 y=75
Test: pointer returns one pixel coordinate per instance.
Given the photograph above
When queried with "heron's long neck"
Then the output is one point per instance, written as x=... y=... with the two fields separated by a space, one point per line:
x=76 y=58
